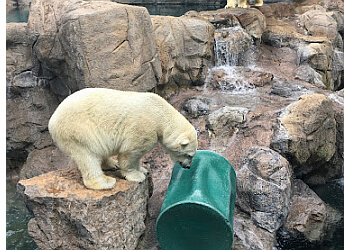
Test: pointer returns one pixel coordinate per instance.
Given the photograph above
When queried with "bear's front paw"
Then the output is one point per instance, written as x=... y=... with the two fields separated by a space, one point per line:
x=134 y=175
x=143 y=170
x=103 y=182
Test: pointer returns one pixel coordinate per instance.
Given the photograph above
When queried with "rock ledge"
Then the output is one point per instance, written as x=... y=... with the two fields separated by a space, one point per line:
x=69 y=216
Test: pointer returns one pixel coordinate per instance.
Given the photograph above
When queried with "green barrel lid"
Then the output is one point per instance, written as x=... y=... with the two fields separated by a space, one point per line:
x=197 y=212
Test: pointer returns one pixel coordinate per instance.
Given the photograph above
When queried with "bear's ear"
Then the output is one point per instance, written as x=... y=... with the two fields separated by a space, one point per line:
x=184 y=142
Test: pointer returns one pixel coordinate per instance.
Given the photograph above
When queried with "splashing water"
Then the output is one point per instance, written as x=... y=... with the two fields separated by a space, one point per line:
x=230 y=45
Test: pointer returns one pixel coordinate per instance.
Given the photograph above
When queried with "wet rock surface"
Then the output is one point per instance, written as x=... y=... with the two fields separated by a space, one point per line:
x=285 y=78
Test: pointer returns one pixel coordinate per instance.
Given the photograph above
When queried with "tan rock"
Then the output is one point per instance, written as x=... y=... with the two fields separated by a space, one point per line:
x=96 y=44
x=69 y=216
x=307 y=132
x=185 y=48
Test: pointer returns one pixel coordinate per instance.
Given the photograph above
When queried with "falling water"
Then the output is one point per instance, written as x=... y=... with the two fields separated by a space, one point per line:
x=223 y=57
x=230 y=45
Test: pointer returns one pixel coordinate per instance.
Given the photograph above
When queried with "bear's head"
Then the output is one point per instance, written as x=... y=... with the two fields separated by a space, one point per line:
x=183 y=148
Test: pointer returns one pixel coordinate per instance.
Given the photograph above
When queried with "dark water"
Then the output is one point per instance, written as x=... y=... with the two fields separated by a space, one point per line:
x=17 y=14
x=17 y=217
x=21 y=14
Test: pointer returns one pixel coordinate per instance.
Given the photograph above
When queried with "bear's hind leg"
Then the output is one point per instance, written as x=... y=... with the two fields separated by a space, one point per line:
x=129 y=166
x=89 y=165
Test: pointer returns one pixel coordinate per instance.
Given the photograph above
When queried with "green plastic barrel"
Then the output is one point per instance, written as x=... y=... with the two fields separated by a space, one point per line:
x=197 y=212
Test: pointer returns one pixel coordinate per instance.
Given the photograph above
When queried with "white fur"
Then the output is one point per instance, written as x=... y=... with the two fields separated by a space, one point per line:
x=94 y=124
x=242 y=3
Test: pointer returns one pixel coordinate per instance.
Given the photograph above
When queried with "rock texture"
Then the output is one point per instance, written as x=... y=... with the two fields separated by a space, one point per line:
x=307 y=132
x=185 y=49
x=69 y=216
x=248 y=235
x=264 y=188
x=309 y=216
x=94 y=44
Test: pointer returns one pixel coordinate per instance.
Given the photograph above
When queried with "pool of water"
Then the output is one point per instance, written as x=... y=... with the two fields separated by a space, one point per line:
x=21 y=14
x=17 y=217
x=17 y=14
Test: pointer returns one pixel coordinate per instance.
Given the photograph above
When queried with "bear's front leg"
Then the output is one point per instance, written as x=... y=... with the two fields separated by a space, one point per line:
x=230 y=4
x=129 y=166
x=259 y=3
x=243 y=4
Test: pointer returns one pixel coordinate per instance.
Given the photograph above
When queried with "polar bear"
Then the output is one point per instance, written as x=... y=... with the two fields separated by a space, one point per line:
x=93 y=124
x=242 y=3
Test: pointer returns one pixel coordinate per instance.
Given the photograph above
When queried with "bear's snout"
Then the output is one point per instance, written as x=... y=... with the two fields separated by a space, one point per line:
x=185 y=165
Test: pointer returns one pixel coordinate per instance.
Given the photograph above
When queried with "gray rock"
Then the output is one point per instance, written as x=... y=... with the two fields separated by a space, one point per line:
x=264 y=187
x=27 y=113
x=74 y=217
x=289 y=89
x=222 y=124
x=308 y=74
x=196 y=107
x=248 y=235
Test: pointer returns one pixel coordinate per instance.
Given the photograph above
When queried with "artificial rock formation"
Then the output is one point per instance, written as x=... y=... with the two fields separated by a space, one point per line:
x=94 y=44
x=307 y=133
x=264 y=187
x=185 y=49
x=67 y=215
x=309 y=217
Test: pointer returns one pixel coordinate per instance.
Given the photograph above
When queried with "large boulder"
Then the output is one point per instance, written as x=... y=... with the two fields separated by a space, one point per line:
x=306 y=134
x=264 y=187
x=185 y=48
x=94 y=44
x=310 y=219
x=222 y=125
x=69 y=216
x=319 y=23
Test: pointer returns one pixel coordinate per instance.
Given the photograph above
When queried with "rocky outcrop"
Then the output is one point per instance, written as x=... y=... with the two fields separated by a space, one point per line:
x=251 y=20
x=248 y=235
x=264 y=188
x=222 y=125
x=185 y=49
x=309 y=217
x=94 y=44
x=307 y=133
x=74 y=217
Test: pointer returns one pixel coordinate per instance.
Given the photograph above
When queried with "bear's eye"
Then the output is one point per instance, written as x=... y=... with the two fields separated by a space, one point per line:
x=189 y=156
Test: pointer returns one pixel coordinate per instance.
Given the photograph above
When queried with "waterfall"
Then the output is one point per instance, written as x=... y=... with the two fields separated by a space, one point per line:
x=223 y=57
x=230 y=45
